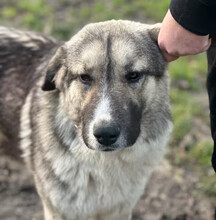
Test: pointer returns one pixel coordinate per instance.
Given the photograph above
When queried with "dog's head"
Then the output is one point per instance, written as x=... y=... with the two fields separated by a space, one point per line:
x=112 y=84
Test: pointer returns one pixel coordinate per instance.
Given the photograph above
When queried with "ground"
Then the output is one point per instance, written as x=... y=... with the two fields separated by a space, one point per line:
x=170 y=195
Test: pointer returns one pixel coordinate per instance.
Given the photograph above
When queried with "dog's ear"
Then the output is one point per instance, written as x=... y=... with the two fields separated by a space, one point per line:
x=154 y=31
x=54 y=66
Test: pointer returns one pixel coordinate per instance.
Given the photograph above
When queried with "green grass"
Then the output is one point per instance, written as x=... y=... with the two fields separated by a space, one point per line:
x=184 y=109
x=9 y=12
x=155 y=9
x=28 y=14
x=189 y=69
x=196 y=155
x=201 y=153
x=63 y=21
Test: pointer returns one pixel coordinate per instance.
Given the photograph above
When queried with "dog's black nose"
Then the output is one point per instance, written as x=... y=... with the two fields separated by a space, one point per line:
x=107 y=135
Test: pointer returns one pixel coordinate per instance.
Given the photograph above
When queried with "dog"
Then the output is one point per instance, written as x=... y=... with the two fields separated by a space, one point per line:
x=94 y=115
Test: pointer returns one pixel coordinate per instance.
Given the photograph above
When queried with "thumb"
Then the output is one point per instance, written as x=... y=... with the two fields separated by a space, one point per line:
x=208 y=44
x=168 y=57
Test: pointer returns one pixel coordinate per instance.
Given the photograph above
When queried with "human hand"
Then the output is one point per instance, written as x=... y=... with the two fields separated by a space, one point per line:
x=175 y=41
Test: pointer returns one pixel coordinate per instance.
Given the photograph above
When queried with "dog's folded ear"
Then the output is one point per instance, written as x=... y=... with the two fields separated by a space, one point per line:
x=54 y=66
x=154 y=31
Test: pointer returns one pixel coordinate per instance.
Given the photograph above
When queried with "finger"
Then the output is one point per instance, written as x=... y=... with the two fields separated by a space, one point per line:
x=168 y=57
x=208 y=44
x=205 y=46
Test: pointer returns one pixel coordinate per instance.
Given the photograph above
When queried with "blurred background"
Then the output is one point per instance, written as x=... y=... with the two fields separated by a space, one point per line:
x=184 y=186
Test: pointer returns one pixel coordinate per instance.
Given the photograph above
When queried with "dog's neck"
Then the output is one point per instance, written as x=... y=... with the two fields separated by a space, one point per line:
x=65 y=129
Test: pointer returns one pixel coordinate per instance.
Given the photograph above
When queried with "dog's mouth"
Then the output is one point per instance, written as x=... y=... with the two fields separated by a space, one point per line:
x=112 y=148
x=104 y=148
x=108 y=149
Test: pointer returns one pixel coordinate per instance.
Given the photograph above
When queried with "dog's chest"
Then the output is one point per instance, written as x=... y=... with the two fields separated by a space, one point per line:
x=87 y=188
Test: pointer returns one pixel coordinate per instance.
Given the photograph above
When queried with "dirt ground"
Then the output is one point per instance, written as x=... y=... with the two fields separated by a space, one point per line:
x=170 y=195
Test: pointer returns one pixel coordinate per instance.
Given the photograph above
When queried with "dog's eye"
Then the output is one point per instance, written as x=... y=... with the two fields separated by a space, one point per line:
x=85 y=78
x=133 y=76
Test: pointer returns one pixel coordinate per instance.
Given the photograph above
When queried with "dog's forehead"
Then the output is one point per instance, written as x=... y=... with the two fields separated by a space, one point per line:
x=122 y=44
x=90 y=56
x=128 y=51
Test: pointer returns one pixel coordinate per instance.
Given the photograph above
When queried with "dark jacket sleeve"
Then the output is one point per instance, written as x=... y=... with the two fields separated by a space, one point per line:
x=197 y=16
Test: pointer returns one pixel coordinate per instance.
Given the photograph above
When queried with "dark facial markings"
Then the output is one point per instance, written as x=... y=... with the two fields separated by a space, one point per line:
x=109 y=65
x=133 y=128
x=129 y=118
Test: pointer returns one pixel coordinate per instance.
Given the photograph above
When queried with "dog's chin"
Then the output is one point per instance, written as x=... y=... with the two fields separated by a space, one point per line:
x=108 y=149
x=103 y=148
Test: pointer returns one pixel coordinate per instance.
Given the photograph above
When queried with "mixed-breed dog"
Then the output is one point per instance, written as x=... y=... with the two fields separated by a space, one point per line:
x=91 y=115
